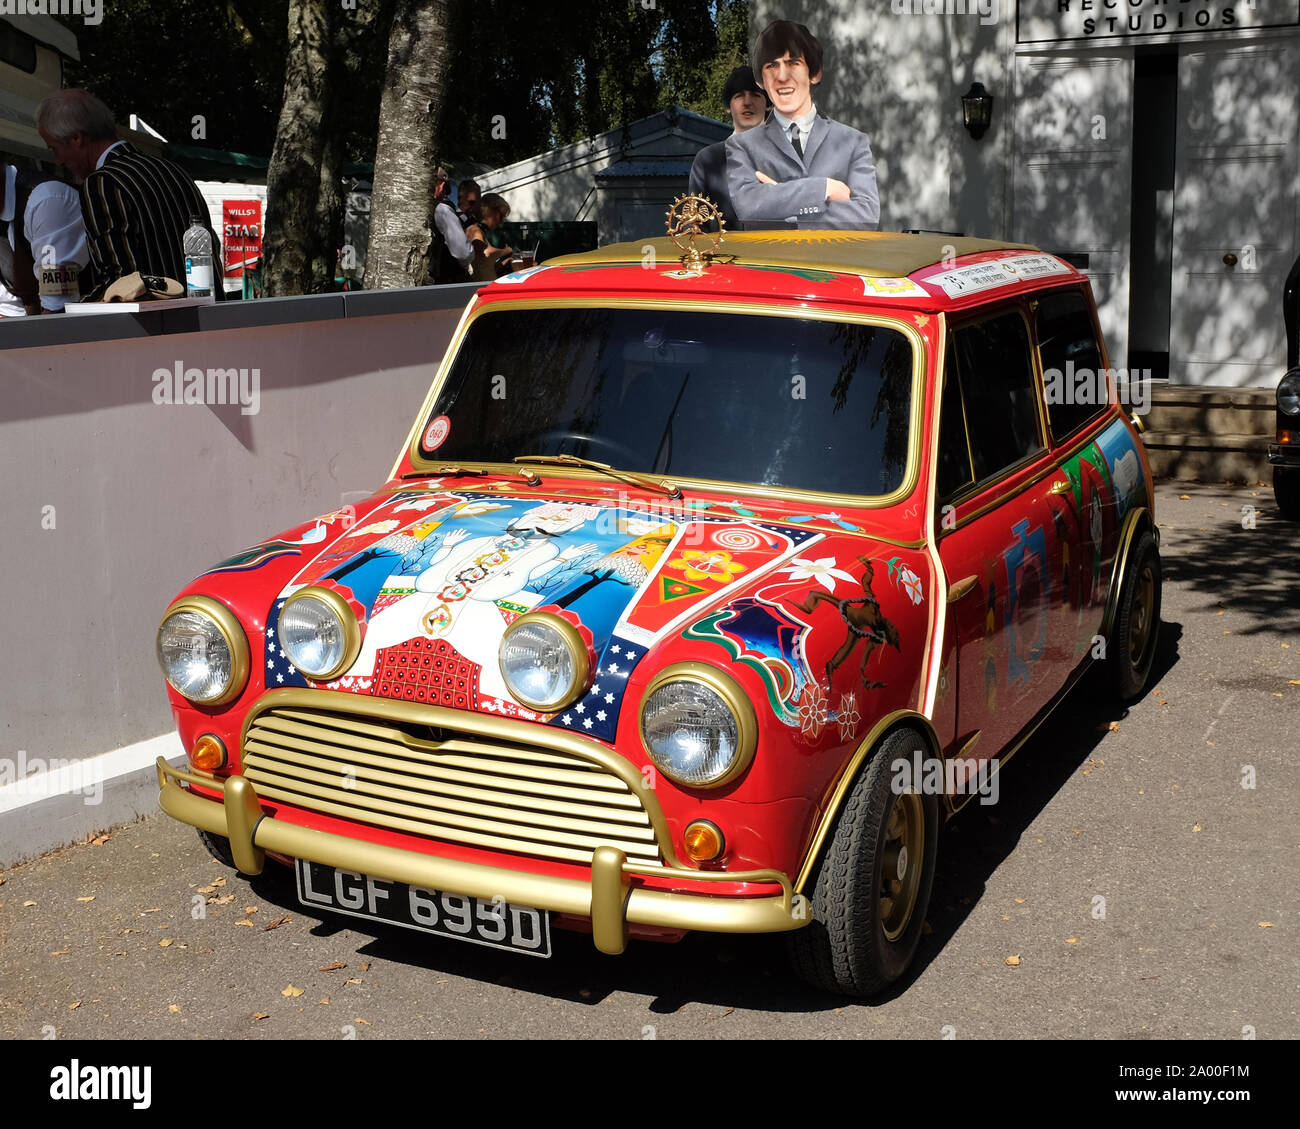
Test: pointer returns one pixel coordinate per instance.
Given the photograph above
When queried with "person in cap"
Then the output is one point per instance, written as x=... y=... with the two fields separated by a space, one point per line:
x=453 y=255
x=799 y=168
x=747 y=102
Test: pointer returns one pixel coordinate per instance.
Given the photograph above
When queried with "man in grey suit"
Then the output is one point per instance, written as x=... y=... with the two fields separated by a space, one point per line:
x=800 y=168
x=747 y=104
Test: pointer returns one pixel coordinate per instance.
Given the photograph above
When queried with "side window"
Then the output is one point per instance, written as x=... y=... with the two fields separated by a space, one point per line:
x=1074 y=384
x=954 y=470
x=997 y=380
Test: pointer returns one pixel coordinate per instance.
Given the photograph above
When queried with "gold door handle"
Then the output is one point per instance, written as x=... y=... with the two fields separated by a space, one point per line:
x=1060 y=487
x=964 y=585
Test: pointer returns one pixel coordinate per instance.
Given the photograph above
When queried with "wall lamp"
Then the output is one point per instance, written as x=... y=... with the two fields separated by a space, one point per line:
x=977 y=110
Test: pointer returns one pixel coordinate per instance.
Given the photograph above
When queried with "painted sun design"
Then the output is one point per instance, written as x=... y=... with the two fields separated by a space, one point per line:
x=701 y=564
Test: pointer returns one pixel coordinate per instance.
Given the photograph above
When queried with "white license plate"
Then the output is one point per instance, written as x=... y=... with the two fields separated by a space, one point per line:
x=496 y=923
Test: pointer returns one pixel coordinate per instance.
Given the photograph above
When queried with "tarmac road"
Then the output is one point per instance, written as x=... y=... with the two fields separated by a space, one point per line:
x=1145 y=809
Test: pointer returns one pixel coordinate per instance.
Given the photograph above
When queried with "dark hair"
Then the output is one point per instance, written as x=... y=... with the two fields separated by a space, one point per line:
x=468 y=186
x=781 y=36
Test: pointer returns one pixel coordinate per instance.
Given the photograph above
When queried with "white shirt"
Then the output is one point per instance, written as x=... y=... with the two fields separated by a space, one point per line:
x=52 y=220
x=104 y=155
x=457 y=241
x=804 y=123
x=10 y=307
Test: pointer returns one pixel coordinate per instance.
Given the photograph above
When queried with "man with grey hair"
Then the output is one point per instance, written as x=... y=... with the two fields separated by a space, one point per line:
x=136 y=207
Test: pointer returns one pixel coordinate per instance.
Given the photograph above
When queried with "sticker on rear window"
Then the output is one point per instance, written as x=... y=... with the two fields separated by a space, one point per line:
x=436 y=433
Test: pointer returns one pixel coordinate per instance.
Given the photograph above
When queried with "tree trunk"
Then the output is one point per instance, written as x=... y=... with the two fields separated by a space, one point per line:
x=294 y=177
x=401 y=235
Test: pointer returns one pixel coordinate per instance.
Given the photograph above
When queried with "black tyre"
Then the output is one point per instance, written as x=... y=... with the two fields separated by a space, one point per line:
x=218 y=846
x=872 y=884
x=1286 y=492
x=1132 y=647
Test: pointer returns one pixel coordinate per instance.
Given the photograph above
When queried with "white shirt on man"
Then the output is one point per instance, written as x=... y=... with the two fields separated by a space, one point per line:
x=51 y=220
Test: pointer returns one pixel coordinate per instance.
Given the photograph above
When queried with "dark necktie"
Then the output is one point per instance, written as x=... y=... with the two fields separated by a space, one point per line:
x=794 y=139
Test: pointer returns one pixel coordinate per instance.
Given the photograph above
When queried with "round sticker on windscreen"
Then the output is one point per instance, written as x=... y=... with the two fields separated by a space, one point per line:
x=436 y=433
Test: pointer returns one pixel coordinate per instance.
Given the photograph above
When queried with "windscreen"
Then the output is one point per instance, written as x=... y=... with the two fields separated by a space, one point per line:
x=776 y=401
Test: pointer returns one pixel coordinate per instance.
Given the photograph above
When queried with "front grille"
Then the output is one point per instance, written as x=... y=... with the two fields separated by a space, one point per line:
x=464 y=787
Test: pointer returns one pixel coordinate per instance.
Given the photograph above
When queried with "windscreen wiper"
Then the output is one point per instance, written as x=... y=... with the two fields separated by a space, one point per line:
x=661 y=484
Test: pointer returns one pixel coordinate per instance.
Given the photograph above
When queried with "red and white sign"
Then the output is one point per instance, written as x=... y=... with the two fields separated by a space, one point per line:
x=241 y=235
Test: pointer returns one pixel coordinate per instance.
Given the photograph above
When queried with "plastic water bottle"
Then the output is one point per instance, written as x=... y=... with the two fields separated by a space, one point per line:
x=197 y=244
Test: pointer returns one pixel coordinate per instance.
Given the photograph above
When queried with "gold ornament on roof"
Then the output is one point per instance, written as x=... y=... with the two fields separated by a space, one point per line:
x=686 y=222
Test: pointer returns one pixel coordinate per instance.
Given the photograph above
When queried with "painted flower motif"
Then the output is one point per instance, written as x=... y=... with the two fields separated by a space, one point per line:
x=910 y=583
x=848 y=716
x=378 y=527
x=812 y=711
x=707 y=564
x=822 y=570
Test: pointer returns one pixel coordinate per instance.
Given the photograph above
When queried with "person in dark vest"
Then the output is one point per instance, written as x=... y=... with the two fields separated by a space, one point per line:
x=136 y=207
x=747 y=102
x=40 y=226
x=468 y=195
x=453 y=255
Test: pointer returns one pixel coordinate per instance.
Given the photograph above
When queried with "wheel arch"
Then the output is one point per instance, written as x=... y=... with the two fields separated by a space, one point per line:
x=898 y=719
x=1137 y=522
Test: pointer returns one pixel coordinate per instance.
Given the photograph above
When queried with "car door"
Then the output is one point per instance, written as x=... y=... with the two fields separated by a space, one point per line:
x=998 y=544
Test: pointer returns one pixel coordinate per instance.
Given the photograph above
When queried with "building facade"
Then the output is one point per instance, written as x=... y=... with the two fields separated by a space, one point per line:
x=1156 y=140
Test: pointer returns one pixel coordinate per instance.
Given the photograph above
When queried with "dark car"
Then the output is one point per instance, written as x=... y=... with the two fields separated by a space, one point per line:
x=1284 y=455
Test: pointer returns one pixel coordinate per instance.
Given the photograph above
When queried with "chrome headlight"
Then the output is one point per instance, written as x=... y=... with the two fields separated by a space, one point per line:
x=203 y=651
x=319 y=633
x=1288 y=393
x=697 y=726
x=544 y=661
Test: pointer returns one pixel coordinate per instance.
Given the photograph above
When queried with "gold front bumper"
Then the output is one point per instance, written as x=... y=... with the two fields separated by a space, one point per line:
x=608 y=899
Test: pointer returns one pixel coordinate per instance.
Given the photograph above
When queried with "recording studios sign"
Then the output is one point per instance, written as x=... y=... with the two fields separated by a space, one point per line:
x=1054 y=21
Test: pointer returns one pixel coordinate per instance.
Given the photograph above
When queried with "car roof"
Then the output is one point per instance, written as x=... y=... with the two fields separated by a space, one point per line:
x=874 y=254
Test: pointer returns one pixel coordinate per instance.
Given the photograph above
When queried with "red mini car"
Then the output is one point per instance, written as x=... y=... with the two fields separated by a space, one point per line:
x=702 y=592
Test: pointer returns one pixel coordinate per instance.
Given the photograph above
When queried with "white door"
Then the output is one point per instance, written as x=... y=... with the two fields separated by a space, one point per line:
x=1235 y=212
x=1073 y=170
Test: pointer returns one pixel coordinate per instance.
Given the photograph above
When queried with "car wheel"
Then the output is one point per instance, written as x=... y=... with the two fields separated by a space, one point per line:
x=1286 y=492
x=1137 y=620
x=872 y=884
x=219 y=847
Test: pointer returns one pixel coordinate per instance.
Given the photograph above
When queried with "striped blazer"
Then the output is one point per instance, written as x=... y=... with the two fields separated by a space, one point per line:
x=136 y=209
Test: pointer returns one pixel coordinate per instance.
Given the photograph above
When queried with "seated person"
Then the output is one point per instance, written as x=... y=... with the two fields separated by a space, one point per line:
x=491 y=255
x=799 y=167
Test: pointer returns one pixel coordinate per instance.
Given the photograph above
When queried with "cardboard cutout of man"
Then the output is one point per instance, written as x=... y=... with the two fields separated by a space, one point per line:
x=747 y=103
x=799 y=167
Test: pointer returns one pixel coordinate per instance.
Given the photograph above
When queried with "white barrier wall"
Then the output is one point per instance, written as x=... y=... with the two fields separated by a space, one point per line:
x=112 y=499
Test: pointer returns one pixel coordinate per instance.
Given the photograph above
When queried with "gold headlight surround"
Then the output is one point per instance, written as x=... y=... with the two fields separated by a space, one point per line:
x=351 y=629
x=231 y=631
x=728 y=689
x=574 y=644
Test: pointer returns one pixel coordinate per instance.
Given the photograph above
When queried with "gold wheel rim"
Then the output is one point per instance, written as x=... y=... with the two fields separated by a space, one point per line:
x=900 y=871
x=1144 y=613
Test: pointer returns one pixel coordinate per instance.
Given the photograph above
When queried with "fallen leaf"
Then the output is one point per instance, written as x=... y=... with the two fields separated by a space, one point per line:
x=1210 y=743
x=291 y=991
x=1293 y=681
x=276 y=923
x=1087 y=772
x=1184 y=497
x=89 y=899
x=1219 y=613
x=29 y=903
x=325 y=999
x=353 y=980
x=100 y=840
x=443 y=980
x=173 y=1009
x=249 y=911
x=1013 y=961
x=1021 y=901
x=1113 y=727
x=1266 y=925
x=206 y=889
x=1142 y=792
x=1072 y=940
x=221 y=901
x=259 y=1015
x=1077 y=831
x=365 y=966
x=156 y=909
x=1006 y=917
x=165 y=942
x=332 y=967
x=60 y=952
x=245 y=922
x=1161 y=702
x=218 y=882
x=364 y=1022
x=1197 y=827
x=124 y=932
x=73 y=1007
